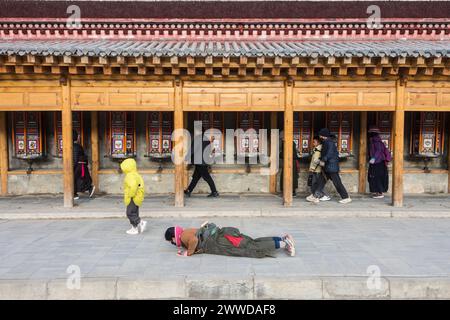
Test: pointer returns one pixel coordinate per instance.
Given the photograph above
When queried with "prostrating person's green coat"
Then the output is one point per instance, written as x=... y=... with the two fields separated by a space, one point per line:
x=217 y=243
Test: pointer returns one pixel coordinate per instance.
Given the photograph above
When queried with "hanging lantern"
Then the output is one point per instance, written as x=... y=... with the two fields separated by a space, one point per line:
x=27 y=135
x=77 y=125
x=122 y=134
x=427 y=134
x=303 y=132
x=340 y=125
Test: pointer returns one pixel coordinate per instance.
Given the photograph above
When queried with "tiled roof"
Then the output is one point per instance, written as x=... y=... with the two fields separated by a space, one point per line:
x=322 y=48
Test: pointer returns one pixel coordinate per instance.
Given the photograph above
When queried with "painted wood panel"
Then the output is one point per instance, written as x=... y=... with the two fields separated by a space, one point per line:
x=427 y=95
x=233 y=96
x=122 y=98
x=24 y=98
x=345 y=96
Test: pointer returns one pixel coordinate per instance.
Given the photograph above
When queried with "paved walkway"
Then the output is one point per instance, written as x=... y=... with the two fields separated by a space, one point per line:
x=336 y=259
x=245 y=205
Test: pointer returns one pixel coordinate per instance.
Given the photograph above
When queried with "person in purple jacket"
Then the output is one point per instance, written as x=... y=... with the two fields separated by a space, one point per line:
x=379 y=157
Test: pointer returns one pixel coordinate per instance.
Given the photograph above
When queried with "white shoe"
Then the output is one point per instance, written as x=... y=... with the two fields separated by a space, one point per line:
x=290 y=245
x=346 y=200
x=378 y=196
x=310 y=198
x=204 y=224
x=76 y=197
x=325 y=198
x=133 y=231
x=91 y=193
x=141 y=226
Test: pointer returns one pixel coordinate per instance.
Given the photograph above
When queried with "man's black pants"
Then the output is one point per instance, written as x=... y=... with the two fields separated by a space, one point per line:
x=336 y=179
x=201 y=171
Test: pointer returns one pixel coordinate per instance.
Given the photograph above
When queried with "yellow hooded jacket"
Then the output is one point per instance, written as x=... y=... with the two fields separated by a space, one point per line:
x=133 y=184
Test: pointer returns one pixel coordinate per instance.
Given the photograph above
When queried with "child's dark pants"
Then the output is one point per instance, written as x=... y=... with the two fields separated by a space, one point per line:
x=133 y=214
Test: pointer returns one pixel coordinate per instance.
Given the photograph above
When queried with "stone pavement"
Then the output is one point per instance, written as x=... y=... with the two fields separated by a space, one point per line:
x=337 y=258
x=227 y=205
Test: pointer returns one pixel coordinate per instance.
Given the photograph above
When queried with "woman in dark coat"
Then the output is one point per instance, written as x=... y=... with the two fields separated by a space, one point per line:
x=81 y=177
x=379 y=157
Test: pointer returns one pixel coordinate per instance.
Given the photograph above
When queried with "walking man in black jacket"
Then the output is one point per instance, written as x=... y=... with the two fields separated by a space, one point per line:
x=329 y=160
x=201 y=168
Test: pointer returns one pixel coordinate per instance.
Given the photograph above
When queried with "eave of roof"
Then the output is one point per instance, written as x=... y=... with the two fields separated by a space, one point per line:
x=320 y=48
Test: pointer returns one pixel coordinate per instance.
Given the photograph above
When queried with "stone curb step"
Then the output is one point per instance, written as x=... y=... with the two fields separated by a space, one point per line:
x=252 y=287
x=194 y=213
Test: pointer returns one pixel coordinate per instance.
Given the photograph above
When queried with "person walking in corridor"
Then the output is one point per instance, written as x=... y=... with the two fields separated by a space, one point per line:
x=379 y=158
x=329 y=160
x=81 y=178
x=201 y=167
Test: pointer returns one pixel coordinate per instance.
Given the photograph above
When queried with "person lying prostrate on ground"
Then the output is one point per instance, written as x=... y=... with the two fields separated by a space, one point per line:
x=227 y=241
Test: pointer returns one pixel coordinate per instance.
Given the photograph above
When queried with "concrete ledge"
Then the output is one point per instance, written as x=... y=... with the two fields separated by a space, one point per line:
x=420 y=288
x=151 y=289
x=287 y=288
x=90 y=288
x=230 y=288
x=23 y=289
x=254 y=287
x=196 y=213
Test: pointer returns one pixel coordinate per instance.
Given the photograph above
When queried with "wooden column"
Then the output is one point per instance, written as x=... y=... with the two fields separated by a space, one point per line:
x=94 y=149
x=67 y=145
x=399 y=123
x=288 y=141
x=180 y=167
x=273 y=156
x=362 y=167
x=3 y=154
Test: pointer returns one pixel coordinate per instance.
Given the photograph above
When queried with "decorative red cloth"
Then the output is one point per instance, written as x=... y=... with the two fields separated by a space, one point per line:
x=82 y=170
x=235 y=241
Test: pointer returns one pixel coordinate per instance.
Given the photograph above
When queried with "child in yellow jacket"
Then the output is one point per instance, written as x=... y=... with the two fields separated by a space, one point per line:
x=133 y=189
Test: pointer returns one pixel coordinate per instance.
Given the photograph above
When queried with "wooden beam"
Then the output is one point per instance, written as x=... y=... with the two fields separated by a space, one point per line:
x=49 y=59
x=67 y=59
x=399 y=123
x=85 y=60
x=3 y=154
x=178 y=155
x=288 y=141
x=67 y=145
x=362 y=159
x=103 y=60
x=273 y=156
x=331 y=60
x=95 y=149
x=31 y=58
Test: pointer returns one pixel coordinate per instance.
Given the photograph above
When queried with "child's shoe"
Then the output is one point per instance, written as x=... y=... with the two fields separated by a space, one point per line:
x=142 y=225
x=133 y=231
